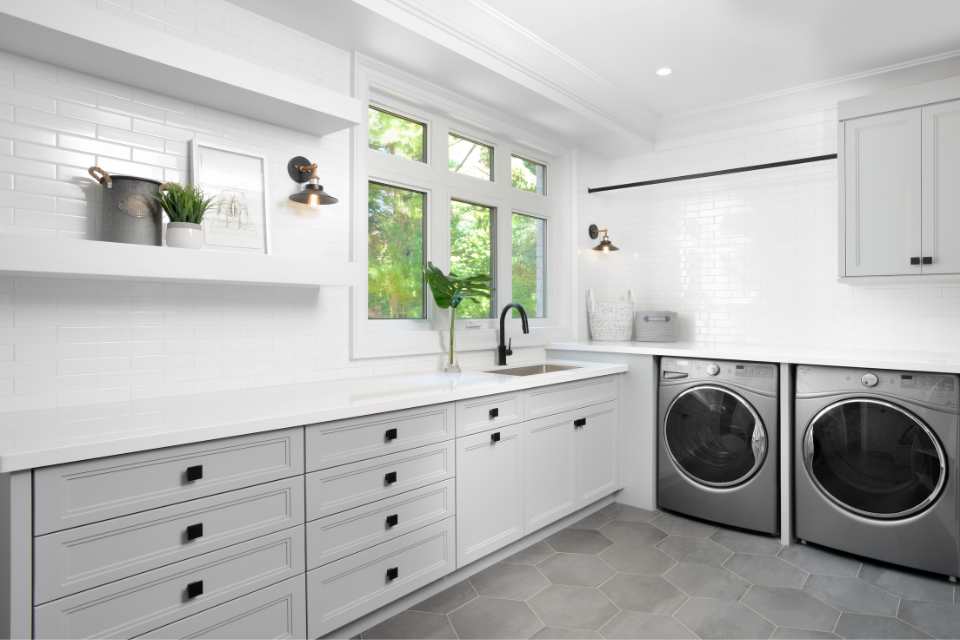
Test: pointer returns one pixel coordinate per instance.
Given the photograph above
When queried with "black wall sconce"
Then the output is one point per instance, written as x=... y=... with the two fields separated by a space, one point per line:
x=303 y=171
x=605 y=245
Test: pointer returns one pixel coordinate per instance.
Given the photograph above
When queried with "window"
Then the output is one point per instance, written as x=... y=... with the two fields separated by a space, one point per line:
x=528 y=175
x=395 y=249
x=471 y=251
x=469 y=157
x=396 y=135
x=529 y=243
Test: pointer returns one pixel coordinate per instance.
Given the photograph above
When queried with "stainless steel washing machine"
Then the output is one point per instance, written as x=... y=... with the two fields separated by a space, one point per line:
x=718 y=442
x=875 y=464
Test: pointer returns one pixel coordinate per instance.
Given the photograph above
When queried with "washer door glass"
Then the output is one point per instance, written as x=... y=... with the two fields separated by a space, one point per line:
x=874 y=458
x=714 y=436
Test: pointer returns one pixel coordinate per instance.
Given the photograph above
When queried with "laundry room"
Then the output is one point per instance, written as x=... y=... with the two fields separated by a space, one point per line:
x=479 y=319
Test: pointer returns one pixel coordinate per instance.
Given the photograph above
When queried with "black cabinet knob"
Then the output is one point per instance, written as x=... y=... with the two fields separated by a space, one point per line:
x=392 y=520
x=393 y=573
x=495 y=437
x=580 y=422
x=926 y=260
x=915 y=260
x=390 y=478
x=194 y=589
x=195 y=531
x=390 y=434
x=194 y=473
x=495 y=412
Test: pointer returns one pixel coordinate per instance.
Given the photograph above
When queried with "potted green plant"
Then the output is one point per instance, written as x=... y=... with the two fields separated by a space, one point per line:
x=449 y=290
x=185 y=207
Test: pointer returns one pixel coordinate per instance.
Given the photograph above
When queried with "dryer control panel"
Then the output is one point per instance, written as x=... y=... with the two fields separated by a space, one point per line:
x=761 y=376
x=940 y=390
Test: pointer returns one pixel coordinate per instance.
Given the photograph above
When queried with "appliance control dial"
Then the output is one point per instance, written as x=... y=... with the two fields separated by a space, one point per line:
x=869 y=380
x=713 y=369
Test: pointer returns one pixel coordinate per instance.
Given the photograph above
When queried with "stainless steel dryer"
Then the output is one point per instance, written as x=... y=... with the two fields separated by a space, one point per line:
x=875 y=464
x=718 y=451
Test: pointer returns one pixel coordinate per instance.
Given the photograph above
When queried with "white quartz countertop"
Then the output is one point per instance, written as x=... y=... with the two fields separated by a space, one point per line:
x=939 y=362
x=30 y=439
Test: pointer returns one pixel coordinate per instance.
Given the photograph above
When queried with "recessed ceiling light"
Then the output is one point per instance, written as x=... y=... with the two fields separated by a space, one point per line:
x=664 y=71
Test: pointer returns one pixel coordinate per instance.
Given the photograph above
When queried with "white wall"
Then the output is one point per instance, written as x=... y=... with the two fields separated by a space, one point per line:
x=750 y=258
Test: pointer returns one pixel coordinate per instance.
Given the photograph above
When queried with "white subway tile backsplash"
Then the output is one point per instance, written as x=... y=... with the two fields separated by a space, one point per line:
x=19 y=98
x=19 y=199
x=6 y=147
x=6 y=181
x=56 y=123
x=94 y=115
x=160 y=159
x=130 y=138
x=125 y=167
x=52 y=154
x=30 y=134
x=161 y=130
x=90 y=145
x=130 y=108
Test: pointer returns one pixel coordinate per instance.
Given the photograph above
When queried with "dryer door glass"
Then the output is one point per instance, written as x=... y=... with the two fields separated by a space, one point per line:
x=874 y=458
x=714 y=436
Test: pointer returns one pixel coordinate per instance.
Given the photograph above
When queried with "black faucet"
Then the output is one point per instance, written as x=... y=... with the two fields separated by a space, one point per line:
x=504 y=350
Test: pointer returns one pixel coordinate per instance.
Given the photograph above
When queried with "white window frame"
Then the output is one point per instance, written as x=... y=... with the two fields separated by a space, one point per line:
x=372 y=338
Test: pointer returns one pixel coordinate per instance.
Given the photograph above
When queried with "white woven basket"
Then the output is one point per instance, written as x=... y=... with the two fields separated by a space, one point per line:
x=610 y=321
x=655 y=326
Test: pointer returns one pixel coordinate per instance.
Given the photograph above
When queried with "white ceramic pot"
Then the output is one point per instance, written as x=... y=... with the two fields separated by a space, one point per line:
x=185 y=235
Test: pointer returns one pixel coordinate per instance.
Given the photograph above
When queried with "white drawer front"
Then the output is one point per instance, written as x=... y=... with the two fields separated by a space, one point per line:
x=351 y=485
x=345 y=441
x=79 y=493
x=546 y=401
x=489 y=412
x=279 y=611
x=342 y=534
x=76 y=559
x=149 y=600
x=342 y=591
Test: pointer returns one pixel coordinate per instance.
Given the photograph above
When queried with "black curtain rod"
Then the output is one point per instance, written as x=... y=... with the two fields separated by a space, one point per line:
x=708 y=174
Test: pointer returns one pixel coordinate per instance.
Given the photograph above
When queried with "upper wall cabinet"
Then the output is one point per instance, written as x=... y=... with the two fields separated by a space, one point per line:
x=899 y=201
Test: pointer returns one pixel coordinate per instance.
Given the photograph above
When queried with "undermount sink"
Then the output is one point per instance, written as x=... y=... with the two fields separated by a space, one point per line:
x=533 y=369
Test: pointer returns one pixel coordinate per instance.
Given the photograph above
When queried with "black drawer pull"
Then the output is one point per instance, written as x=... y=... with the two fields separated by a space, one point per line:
x=390 y=434
x=195 y=531
x=495 y=412
x=392 y=520
x=926 y=260
x=915 y=260
x=393 y=573
x=194 y=589
x=194 y=473
x=580 y=422
x=390 y=478
x=495 y=437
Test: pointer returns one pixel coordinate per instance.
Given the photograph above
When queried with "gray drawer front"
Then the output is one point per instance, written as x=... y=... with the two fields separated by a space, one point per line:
x=79 y=493
x=279 y=611
x=344 y=441
x=351 y=485
x=150 y=600
x=88 y=556
x=342 y=591
x=347 y=532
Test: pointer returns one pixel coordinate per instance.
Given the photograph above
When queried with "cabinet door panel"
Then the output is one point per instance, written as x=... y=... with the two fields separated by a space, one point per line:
x=549 y=473
x=595 y=451
x=489 y=492
x=882 y=203
x=941 y=187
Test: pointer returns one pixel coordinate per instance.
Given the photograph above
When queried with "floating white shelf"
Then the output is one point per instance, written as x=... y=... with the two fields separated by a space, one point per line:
x=119 y=50
x=93 y=259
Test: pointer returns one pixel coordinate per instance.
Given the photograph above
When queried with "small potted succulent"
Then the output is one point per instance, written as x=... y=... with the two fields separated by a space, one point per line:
x=449 y=290
x=185 y=207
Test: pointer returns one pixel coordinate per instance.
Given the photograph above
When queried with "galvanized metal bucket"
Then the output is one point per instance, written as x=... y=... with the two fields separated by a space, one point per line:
x=131 y=213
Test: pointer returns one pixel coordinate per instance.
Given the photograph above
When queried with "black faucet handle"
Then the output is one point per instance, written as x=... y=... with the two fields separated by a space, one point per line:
x=510 y=347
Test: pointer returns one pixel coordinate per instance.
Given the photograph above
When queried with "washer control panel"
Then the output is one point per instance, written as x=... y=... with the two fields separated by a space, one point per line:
x=756 y=375
x=869 y=380
x=713 y=369
x=937 y=389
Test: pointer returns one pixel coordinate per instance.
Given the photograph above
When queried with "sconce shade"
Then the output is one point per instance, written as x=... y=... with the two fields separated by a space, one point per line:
x=605 y=245
x=303 y=171
x=313 y=195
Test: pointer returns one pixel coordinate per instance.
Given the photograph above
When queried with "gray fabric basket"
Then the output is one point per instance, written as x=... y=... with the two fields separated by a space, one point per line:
x=655 y=326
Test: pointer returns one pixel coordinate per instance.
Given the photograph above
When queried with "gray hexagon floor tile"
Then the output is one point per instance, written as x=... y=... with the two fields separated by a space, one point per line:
x=768 y=571
x=534 y=554
x=495 y=618
x=597 y=519
x=650 y=594
x=707 y=582
x=449 y=599
x=856 y=625
x=572 y=607
x=819 y=561
x=559 y=633
x=629 y=558
x=510 y=581
x=852 y=594
x=710 y=618
x=937 y=619
x=633 y=533
x=911 y=586
x=697 y=550
x=626 y=513
x=679 y=526
x=412 y=624
x=633 y=624
x=575 y=569
x=747 y=542
x=786 y=633
x=579 y=541
x=791 y=608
